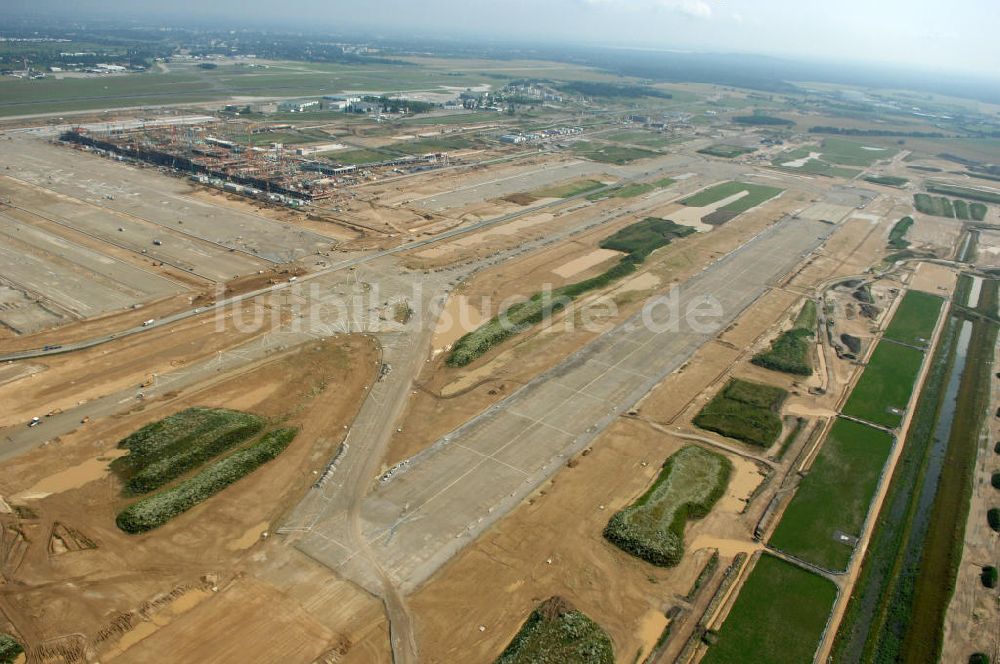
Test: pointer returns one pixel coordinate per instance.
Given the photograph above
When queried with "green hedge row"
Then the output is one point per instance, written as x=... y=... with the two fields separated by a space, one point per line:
x=637 y=241
x=203 y=448
x=154 y=511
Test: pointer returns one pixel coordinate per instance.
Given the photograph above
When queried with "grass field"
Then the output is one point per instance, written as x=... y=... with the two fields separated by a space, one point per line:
x=937 y=206
x=567 y=189
x=888 y=180
x=850 y=153
x=556 y=633
x=362 y=155
x=745 y=411
x=790 y=351
x=154 y=511
x=652 y=528
x=834 y=497
x=611 y=154
x=778 y=617
x=726 y=151
x=757 y=195
x=164 y=450
x=896 y=612
x=820 y=167
x=915 y=317
x=883 y=392
x=646 y=139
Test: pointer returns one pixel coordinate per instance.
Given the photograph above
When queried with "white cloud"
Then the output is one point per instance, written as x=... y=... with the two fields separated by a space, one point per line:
x=694 y=8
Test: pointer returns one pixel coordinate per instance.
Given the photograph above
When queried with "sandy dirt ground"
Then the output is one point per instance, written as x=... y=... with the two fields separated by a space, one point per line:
x=209 y=574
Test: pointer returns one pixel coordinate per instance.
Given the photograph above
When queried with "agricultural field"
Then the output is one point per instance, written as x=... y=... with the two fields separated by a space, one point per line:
x=152 y=512
x=162 y=451
x=726 y=151
x=652 y=528
x=888 y=180
x=789 y=353
x=835 y=157
x=915 y=318
x=556 y=633
x=611 y=154
x=744 y=411
x=832 y=500
x=637 y=241
x=778 y=617
x=883 y=392
x=896 y=611
x=756 y=195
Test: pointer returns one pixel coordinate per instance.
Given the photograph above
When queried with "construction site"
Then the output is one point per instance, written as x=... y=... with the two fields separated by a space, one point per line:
x=222 y=155
x=443 y=474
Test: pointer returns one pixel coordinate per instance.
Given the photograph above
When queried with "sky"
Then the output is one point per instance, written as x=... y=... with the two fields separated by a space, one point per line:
x=939 y=35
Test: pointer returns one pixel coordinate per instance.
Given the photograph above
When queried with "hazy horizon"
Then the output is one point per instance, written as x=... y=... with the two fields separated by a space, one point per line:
x=930 y=36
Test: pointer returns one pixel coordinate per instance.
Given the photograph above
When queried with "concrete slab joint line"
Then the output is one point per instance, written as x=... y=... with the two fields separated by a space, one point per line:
x=452 y=491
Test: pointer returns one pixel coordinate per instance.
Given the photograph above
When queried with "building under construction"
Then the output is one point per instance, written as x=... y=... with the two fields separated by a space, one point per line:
x=222 y=155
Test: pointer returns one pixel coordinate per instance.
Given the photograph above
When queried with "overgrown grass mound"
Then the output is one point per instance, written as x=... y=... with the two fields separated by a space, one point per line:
x=154 y=511
x=163 y=451
x=556 y=633
x=745 y=411
x=790 y=351
x=898 y=233
x=10 y=649
x=652 y=528
x=637 y=241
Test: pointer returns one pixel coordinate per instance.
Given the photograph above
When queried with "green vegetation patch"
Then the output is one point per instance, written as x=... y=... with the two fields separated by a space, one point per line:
x=760 y=119
x=156 y=510
x=888 y=180
x=897 y=236
x=790 y=351
x=745 y=411
x=726 y=151
x=568 y=189
x=883 y=392
x=915 y=318
x=10 y=649
x=556 y=633
x=778 y=617
x=756 y=195
x=647 y=139
x=833 y=499
x=964 y=192
x=849 y=153
x=631 y=190
x=977 y=211
x=163 y=451
x=937 y=206
x=611 y=154
x=652 y=528
x=637 y=241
